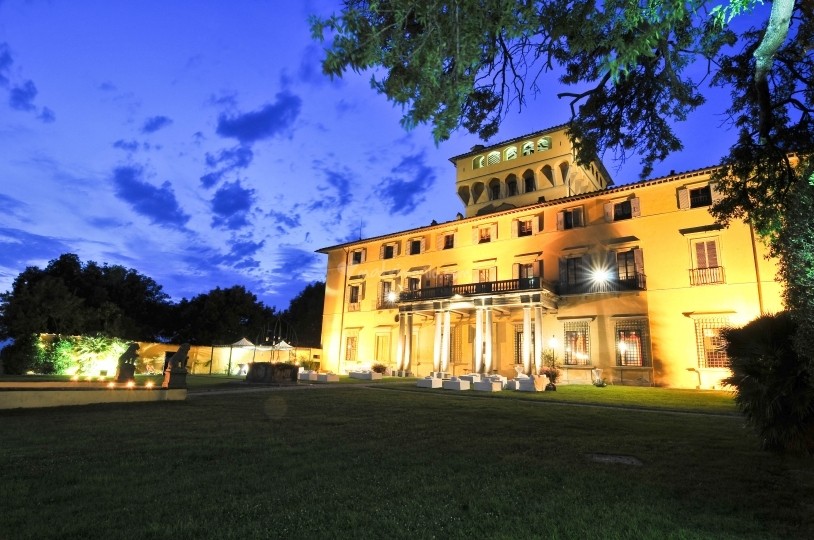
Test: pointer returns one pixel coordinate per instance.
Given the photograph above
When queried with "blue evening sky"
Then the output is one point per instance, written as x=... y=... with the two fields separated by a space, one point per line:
x=198 y=142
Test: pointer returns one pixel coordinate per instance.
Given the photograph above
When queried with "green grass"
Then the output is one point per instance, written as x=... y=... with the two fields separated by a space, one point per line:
x=350 y=461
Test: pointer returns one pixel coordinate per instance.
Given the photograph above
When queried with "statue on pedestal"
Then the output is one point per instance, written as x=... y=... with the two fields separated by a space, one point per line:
x=126 y=369
x=175 y=374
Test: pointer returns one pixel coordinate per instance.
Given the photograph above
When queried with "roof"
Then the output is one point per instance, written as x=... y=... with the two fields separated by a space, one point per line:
x=554 y=202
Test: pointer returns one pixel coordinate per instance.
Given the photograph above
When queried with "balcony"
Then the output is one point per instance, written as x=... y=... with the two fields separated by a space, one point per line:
x=475 y=289
x=707 y=276
x=635 y=282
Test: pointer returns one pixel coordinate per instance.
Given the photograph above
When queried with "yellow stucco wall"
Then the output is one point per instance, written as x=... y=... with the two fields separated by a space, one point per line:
x=669 y=304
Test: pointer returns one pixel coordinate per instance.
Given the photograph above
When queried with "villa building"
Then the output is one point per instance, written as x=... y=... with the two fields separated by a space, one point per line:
x=550 y=257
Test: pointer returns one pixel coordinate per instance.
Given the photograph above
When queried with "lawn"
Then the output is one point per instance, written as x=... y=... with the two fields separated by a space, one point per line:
x=350 y=461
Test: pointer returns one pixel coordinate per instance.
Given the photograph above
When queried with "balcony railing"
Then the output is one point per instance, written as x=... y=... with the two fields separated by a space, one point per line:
x=707 y=276
x=474 y=289
x=637 y=282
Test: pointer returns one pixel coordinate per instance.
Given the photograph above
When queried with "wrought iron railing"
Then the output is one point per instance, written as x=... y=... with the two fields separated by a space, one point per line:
x=636 y=282
x=474 y=289
x=707 y=276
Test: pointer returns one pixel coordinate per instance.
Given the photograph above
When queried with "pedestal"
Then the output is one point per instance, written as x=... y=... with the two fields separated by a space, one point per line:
x=126 y=373
x=175 y=378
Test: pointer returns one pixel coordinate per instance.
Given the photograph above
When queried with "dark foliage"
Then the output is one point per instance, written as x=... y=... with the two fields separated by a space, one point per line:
x=774 y=385
x=304 y=314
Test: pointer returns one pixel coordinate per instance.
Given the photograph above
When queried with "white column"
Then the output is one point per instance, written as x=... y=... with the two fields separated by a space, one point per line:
x=538 y=338
x=526 y=338
x=400 y=342
x=436 y=351
x=488 y=339
x=477 y=345
x=445 y=343
x=408 y=344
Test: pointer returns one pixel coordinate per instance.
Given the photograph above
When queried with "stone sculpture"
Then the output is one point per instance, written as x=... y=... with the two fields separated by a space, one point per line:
x=126 y=369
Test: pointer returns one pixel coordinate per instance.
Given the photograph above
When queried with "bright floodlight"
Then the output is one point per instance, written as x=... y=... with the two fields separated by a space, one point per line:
x=601 y=275
x=392 y=296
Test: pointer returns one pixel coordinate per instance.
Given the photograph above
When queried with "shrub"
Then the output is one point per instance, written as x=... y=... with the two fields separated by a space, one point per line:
x=379 y=368
x=774 y=387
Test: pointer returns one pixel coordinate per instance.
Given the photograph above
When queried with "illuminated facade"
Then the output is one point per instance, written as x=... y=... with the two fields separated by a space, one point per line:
x=635 y=280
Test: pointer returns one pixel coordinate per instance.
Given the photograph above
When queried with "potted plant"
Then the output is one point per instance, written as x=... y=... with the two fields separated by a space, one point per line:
x=551 y=370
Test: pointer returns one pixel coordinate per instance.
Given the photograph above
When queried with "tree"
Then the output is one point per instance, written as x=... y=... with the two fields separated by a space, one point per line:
x=304 y=313
x=69 y=297
x=625 y=66
x=221 y=316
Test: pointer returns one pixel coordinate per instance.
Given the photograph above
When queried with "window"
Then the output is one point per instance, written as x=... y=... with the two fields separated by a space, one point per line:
x=351 y=347
x=389 y=251
x=518 y=344
x=484 y=235
x=528 y=148
x=526 y=226
x=387 y=295
x=510 y=153
x=528 y=184
x=445 y=240
x=449 y=241
x=544 y=144
x=631 y=343
x=492 y=158
x=357 y=256
x=621 y=210
x=696 y=197
x=356 y=293
x=710 y=344
x=576 y=343
x=574 y=270
x=569 y=219
x=483 y=275
x=626 y=265
x=528 y=274
x=511 y=186
x=700 y=197
x=494 y=190
x=416 y=246
x=706 y=266
x=446 y=280
x=477 y=163
x=413 y=283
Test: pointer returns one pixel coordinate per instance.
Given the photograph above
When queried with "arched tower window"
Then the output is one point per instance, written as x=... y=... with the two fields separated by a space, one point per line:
x=529 y=184
x=528 y=148
x=510 y=153
x=512 y=188
x=494 y=189
x=477 y=163
x=493 y=157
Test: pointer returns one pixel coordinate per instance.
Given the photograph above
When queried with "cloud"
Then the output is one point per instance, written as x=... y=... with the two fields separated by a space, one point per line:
x=284 y=222
x=231 y=159
x=129 y=146
x=5 y=64
x=405 y=189
x=231 y=204
x=10 y=205
x=47 y=115
x=237 y=157
x=19 y=249
x=272 y=120
x=21 y=97
x=107 y=86
x=156 y=203
x=153 y=124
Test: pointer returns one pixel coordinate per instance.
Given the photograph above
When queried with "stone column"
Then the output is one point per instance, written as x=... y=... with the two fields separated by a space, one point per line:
x=526 y=350
x=477 y=345
x=487 y=362
x=400 y=342
x=445 y=343
x=538 y=338
x=408 y=344
x=436 y=351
